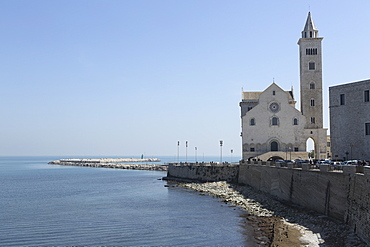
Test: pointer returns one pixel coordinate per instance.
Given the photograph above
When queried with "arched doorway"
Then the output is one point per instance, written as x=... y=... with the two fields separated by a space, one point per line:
x=310 y=148
x=274 y=146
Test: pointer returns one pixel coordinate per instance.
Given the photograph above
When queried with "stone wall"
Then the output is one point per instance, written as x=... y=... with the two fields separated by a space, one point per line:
x=204 y=172
x=358 y=214
x=347 y=121
x=342 y=195
x=319 y=191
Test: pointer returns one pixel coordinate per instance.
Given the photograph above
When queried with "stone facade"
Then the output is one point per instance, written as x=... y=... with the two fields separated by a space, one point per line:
x=349 y=106
x=273 y=125
x=270 y=121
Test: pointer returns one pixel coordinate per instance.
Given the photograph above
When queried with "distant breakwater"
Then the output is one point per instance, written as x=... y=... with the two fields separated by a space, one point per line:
x=113 y=163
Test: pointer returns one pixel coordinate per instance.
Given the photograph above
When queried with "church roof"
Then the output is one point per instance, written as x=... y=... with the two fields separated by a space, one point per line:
x=309 y=24
x=254 y=96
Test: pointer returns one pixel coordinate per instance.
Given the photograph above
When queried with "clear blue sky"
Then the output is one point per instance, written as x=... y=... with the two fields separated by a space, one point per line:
x=124 y=78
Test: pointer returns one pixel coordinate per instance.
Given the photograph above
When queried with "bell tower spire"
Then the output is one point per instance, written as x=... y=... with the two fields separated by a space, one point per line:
x=310 y=30
x=311 y=75
x=310 y=58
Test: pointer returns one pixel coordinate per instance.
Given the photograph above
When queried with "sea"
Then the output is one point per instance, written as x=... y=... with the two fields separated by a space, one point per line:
x=53 y=205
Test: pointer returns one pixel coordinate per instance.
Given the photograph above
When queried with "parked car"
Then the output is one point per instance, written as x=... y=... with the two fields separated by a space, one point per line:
x=350 y=162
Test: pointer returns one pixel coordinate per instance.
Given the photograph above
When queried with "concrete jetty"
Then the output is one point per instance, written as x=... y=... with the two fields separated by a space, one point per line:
x=119 y=163
x=105 y=160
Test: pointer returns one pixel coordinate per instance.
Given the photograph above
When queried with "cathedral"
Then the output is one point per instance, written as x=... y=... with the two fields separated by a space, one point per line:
x=272 y=127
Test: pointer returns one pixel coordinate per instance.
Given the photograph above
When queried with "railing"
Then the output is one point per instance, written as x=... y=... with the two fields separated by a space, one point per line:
x=288 y=165
x=308 y=166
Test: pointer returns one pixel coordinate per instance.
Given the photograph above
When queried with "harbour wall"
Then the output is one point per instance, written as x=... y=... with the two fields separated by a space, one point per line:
x=343 y=195
x=204 y=172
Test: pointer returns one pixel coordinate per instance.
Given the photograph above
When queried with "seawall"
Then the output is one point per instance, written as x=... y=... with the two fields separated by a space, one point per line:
x=204 y=172
x=342 y=195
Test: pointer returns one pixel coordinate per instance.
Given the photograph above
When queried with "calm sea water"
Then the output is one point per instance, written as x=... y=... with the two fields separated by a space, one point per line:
x=43 y=204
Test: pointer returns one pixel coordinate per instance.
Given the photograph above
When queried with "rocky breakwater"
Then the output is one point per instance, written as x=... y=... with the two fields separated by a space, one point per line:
x=277 y=223
x=120 y=163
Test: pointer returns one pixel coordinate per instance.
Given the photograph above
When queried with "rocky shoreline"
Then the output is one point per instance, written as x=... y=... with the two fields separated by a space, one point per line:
x=278 y=223
x=149 y=167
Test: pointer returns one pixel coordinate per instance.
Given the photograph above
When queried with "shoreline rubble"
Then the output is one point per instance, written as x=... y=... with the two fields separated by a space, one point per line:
x=278 y=223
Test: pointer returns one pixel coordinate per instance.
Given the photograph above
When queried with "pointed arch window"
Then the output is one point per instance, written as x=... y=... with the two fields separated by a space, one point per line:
x=295 y=121
x=312 y=102
x=312 y=85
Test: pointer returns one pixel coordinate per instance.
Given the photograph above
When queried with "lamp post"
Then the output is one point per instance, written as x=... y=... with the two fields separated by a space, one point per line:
x=221 y=142
x=196 y=158
x=186 y=159
x=178 y=151
x=286 y=153
x=231 y=156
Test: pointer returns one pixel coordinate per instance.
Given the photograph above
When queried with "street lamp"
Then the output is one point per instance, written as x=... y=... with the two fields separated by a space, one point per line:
x=196 y=158
x=231 y=156
x=186 y=160
x=178 y=151
x=221 y=142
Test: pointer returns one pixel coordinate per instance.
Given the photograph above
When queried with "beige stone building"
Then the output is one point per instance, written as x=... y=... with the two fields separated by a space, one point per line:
x=272 y=127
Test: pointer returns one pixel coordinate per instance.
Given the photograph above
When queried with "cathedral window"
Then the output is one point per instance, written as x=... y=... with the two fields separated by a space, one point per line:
x=275 y=121
x=367 y=129
x=295 y=121
x=311 y=65
x=366 y=96
x=252 y=149
x=273 y=92
x=312 y=85
x=252 y=122
x=342 y=99
x=312 y=102
x=310 y=34
x=313 y=120
x=296 y=149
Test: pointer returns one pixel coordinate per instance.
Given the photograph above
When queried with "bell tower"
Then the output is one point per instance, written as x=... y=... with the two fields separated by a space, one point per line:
x=311 y=75
x=310 y=58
